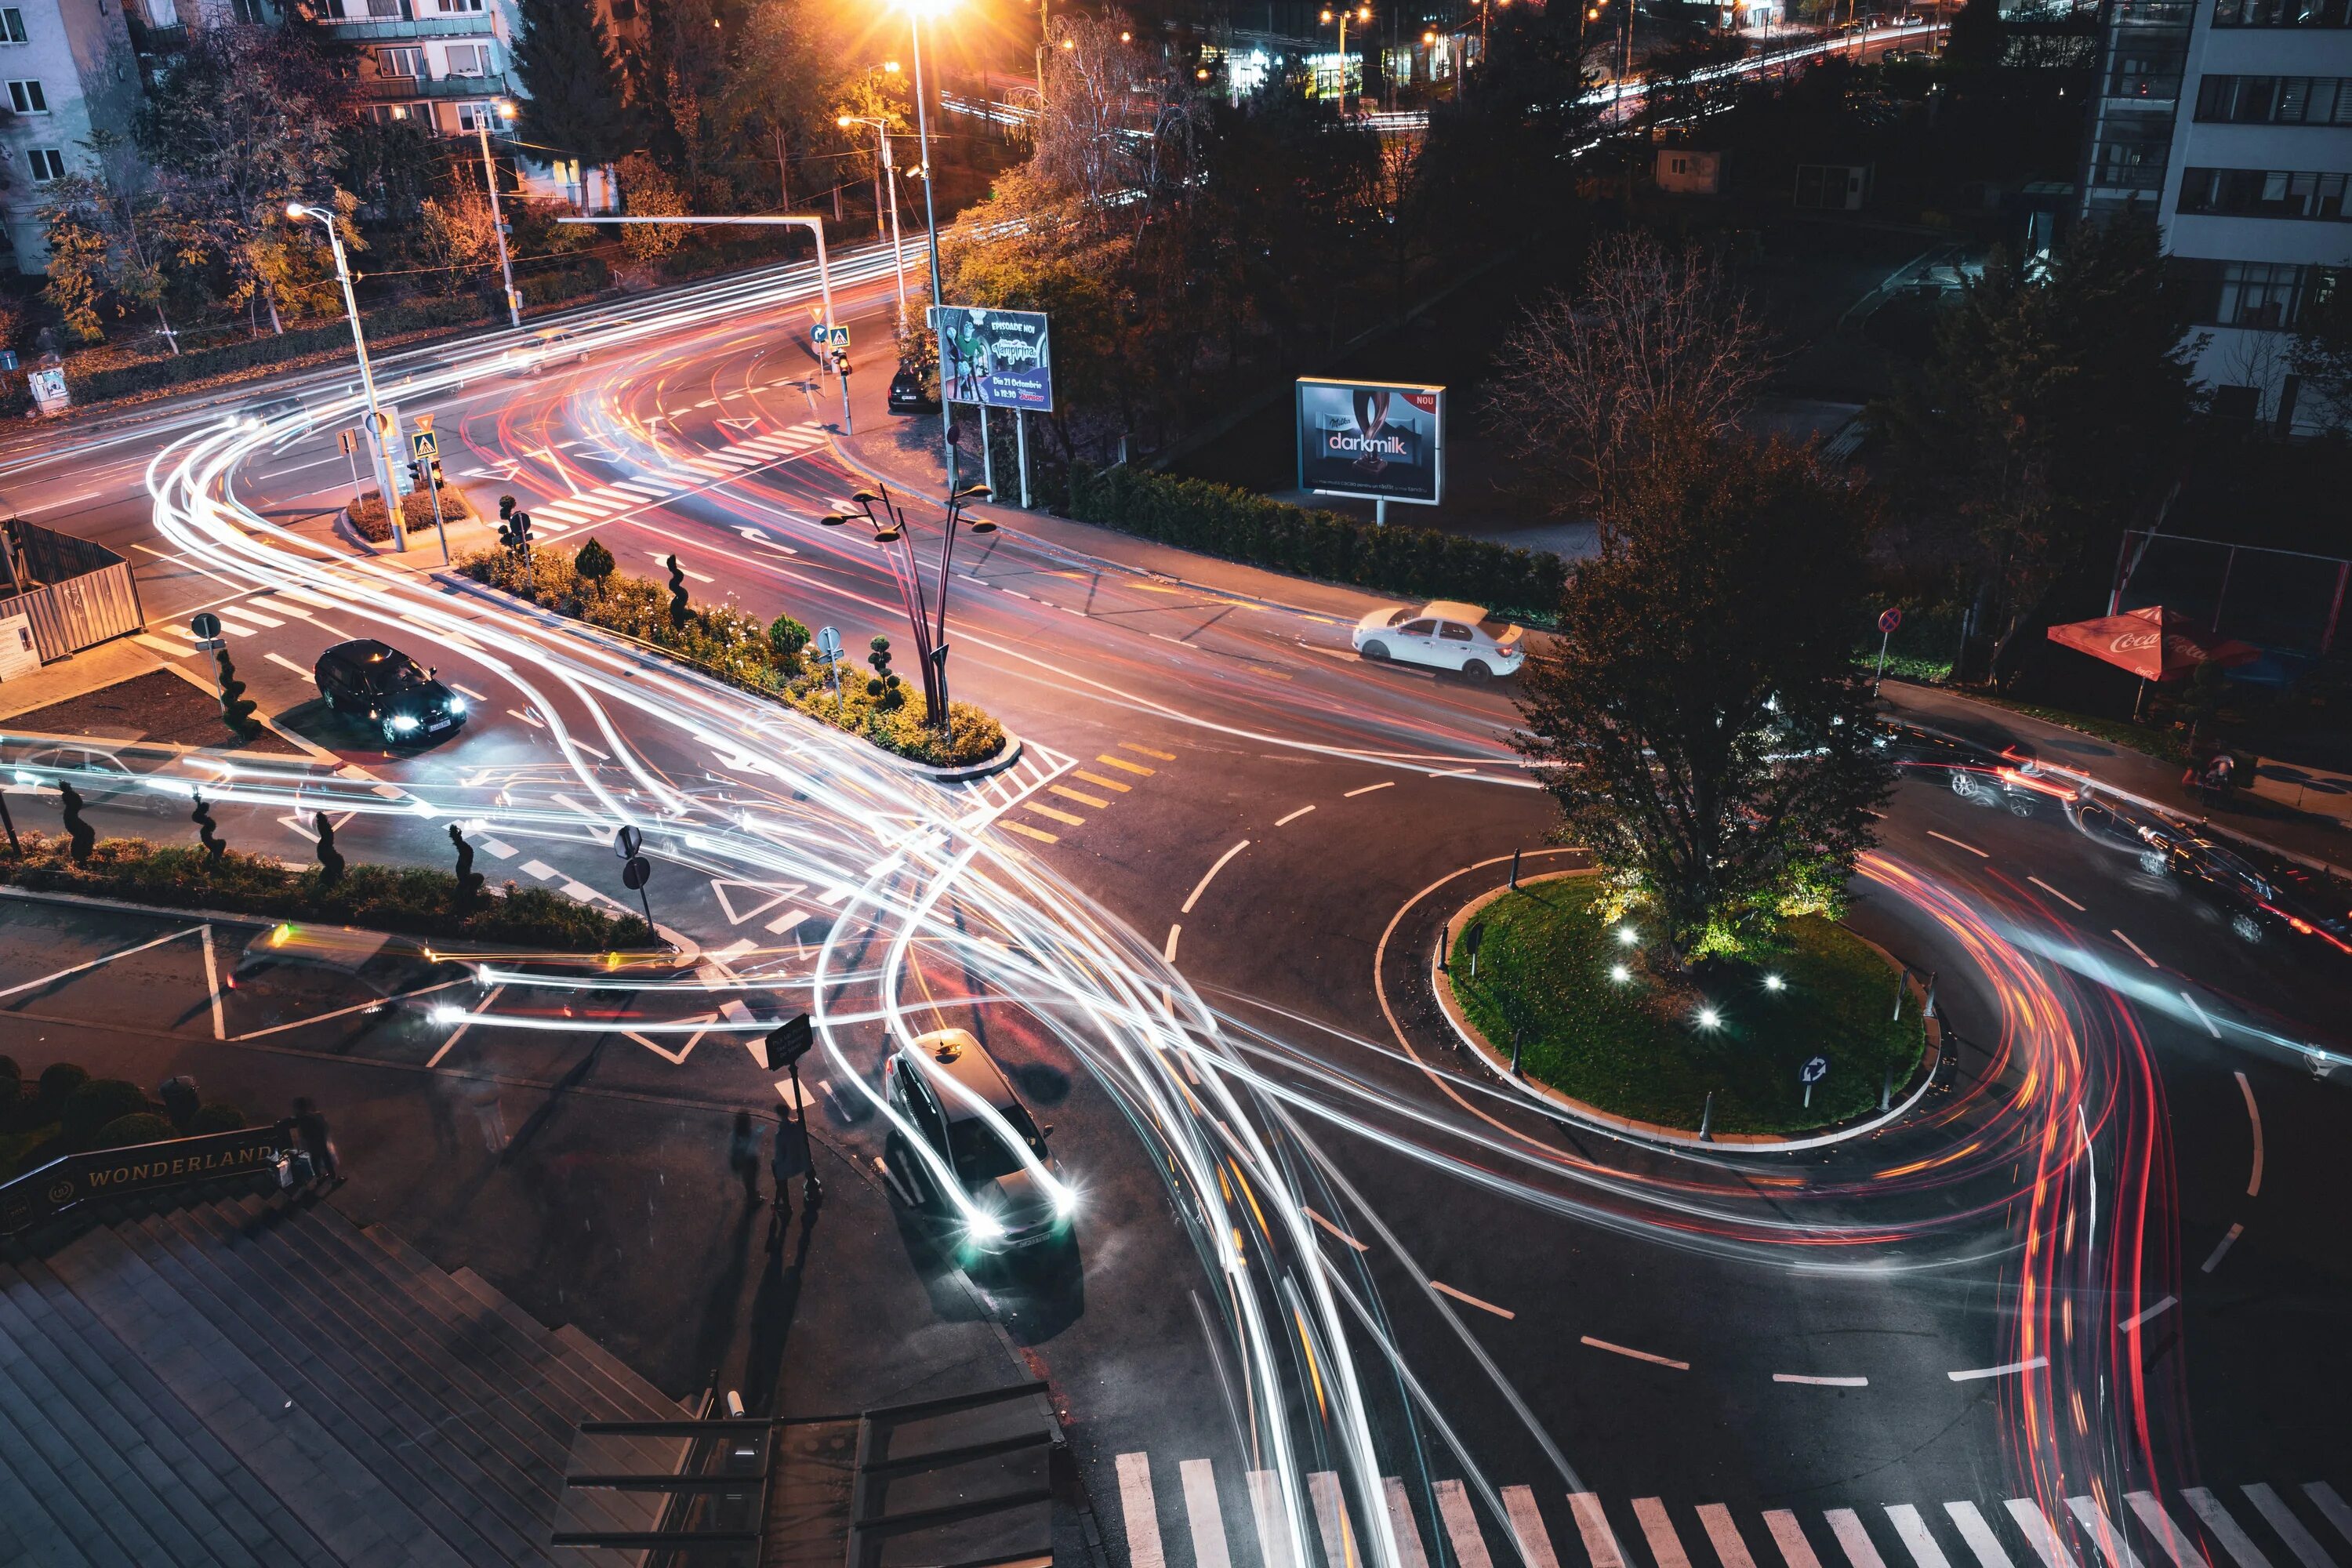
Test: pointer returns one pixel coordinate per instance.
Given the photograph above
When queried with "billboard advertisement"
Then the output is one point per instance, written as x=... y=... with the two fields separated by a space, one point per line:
x=1380 y=440
x=999 y=359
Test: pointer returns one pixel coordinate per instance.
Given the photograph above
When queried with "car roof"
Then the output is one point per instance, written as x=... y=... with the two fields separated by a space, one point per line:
x=1454 y=610
x=361 y=651
x=971 y=1068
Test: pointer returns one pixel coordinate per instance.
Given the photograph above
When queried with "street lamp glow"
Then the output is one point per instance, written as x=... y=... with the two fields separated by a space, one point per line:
x=1627 y=936
x=1708 y=1017
x=1773 y=983
x=1620 y=974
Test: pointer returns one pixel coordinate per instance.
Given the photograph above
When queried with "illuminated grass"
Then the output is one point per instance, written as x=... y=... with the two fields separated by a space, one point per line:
x=1636 y=1048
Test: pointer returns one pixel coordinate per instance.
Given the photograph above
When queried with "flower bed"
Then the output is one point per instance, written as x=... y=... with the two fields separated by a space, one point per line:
x=735 y=647
x=413 y=900
x=368 y=517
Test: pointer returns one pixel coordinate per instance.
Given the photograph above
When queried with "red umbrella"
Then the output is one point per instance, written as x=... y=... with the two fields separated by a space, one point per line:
x=2154 y=644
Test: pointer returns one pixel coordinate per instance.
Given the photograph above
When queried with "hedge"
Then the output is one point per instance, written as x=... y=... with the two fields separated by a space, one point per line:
x=369 y=522
x=275 y=351
x=1219 y=519
x=413 y=900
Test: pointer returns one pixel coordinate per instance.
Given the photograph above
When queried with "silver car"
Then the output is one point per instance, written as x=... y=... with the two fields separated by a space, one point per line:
x=1443 y=634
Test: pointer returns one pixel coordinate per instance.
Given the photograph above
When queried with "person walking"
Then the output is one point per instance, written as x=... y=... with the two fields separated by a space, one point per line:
x=743 y=1157
x=310 y=1132
x=786 y=1163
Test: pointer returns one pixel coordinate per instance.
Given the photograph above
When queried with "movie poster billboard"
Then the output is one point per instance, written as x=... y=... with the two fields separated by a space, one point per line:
x=1380 y=440
x=999 y=359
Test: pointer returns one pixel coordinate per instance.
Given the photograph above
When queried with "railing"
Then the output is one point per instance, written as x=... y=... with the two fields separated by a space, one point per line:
x=401 y=88
x=85 y=597
x=65 y=1184
x=365 y=29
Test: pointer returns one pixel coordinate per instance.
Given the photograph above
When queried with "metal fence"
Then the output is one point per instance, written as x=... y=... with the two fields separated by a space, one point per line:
x=85 y=597
x=2287 y=600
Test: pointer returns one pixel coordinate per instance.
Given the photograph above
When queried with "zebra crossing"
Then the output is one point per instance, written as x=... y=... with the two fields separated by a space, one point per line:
x=985 y=800
x=2261 y=1526
x=559 y=517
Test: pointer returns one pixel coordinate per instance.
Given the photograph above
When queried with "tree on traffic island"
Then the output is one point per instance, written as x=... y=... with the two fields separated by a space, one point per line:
x=1703 y=725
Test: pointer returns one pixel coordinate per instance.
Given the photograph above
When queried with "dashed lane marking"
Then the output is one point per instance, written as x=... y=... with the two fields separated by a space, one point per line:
x=1098 y=780
x=2127 y=942
x=1334 y=1230
x=1168 y=950
x=2129 y=1324
x=2211 y=1027
x=1974 y=1374
x=1442 y=1288
x=540 y=870
x=285 y=663
x=2057 y=894
x=1958 y=845
x=1637 y=1355
x=1385 y=783
x=1202 y=885
x=2254 y=1121
x=2221 y=1250
x=1812 y=1381
x=526 y=717
x=1294 y=816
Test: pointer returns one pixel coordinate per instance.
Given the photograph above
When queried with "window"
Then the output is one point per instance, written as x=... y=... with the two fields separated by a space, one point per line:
x=400 y=62
x=2270 y=296
x=2263 y=193
x=48 y=163
x=469 y=59
x=12 y=25
x=2279 y=14
x=1451 y=632
x=26 y=98
x=2275 y=99
x=1421 y=629
x=457 y=7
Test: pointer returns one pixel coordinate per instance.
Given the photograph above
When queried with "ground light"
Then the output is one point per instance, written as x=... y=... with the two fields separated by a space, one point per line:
x=1627 y=936
x=1708 y=1017
x=1773 y=983
x=1620 y=974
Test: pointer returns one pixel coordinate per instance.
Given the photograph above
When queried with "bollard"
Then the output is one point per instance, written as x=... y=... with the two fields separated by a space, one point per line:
x=1887 y=1088
x=1515 y=869
x=1707 y=1119
x=1442 y=932
x=1900 y=981
x=1929 y=1011
x=1518 y=1037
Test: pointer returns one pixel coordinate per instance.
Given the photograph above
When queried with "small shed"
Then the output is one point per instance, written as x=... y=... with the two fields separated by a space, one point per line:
x=1688 y=172
x=1832 y=188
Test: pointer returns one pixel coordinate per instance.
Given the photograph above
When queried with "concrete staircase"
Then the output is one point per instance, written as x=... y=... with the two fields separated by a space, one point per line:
x=257 y=1381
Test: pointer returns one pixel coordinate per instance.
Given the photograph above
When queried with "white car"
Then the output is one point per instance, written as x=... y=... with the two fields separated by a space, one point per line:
x=1445 y=635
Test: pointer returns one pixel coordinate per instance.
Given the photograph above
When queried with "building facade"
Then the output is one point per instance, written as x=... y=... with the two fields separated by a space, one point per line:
x=67 y=67
x=2231 y=120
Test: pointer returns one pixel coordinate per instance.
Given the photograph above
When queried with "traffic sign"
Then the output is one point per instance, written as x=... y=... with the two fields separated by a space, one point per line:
x=349 y=440
x=841 y=336
x=828 y=644
x=816 y=335
x=206 y=625
x=636 y=873
x=424 y=421
x=1815 y=1070
x=626 y=842
x=425 y=444
x=789 y=1041
x=1889 y=620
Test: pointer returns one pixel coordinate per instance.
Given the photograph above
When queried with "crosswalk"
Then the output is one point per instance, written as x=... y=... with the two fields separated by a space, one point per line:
x=986 y=799
x=1208 y=1520
x=1045 y=786
x=681 y=474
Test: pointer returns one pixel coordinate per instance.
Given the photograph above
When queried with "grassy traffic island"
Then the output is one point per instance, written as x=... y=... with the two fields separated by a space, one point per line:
x=1638 y=1048
x=771 y=660
x=371 y=523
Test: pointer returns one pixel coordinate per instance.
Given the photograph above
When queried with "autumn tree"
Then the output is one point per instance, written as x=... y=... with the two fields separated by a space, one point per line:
x=784 y=76
x=649 y=191
x=113 y=241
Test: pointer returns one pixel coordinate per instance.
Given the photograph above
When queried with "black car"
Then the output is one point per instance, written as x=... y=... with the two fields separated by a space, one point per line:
x=909 y=395
x=381 y=686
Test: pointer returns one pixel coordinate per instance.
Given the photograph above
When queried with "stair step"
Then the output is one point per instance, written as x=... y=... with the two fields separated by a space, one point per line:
x=452 y=1458
x=625 y=1395
x=643 y=1395
x=50 y=1471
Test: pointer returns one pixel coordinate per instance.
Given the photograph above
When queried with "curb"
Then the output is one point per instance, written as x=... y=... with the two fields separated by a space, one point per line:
x=1440 y=986
x=1006 y=755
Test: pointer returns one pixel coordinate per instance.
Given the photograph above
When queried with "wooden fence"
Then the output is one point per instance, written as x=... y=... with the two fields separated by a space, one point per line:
x=86 y=595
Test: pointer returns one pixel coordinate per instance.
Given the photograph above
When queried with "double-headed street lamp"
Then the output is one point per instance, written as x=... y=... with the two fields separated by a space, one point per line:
x=930 y=634
x=883 y=168
x=505 y=110
x=1362 y=13
x=378 y=426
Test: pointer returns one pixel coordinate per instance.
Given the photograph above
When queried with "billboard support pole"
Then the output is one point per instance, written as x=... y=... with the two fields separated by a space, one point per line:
x=987 y=455
x=1021 y=441
x=1379 y=511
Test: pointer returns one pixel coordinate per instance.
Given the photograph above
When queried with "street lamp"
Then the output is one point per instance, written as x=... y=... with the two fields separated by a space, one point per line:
x=890 y=528
x=378 y=425
x=505 y=110
x=885 y=167
x=916 y=10
x=1362 y=13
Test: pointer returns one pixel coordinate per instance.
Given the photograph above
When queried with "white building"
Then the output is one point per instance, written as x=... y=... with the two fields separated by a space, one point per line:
x=2233 y=119
x=67 y=67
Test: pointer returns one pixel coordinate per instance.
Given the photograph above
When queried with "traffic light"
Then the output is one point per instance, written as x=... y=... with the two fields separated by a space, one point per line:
x=840 y=361
x=515 y=531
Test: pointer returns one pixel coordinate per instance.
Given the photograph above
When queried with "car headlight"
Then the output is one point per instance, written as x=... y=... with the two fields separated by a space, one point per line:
x=457 y=705
x=401 y=723
x=982 y=1225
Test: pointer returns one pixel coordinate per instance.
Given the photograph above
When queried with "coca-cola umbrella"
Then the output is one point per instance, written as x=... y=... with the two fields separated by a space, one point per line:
x=2155 y=644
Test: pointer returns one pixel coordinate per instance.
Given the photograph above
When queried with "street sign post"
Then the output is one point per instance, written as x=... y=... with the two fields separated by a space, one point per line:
x=1888 y=619
x=626 y=842
x=788 y=1042
x=828 y=653
x=206 y=625
x=427 y=447
x=1815 y=1070
x=636 y=872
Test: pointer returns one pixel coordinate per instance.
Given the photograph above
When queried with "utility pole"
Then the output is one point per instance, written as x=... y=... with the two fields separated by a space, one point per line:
x=932 y=222
x=497 y=219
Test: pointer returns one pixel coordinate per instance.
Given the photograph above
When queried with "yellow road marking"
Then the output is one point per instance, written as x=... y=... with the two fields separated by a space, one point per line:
x=1130 y=767
x=1099 y=779
x=1061 y=816
x=1093 y=800
x=1027 y=832
x=1163 y=756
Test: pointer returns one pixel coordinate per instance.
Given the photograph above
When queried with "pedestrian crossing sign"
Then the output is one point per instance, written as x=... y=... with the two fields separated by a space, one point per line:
x=425 y=444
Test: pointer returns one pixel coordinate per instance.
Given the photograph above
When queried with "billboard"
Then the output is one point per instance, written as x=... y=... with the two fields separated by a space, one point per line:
x=1377 y=439
x=1000 y=359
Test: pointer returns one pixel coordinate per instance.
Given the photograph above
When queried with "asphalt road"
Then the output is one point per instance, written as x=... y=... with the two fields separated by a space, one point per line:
x=2104 y=1262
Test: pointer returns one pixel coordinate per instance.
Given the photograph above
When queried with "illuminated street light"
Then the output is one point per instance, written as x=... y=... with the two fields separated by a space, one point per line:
x=1362 y=13
x=916 y=10
x=881 y=169
x=1708 y=1017
x=1620 y=974
x=376 y=424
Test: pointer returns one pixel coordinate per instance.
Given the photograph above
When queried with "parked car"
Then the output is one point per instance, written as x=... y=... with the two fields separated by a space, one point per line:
x=1443 y=634
x=939 y=1083
x=909 y=395
x=100 y=776
x=368 y=682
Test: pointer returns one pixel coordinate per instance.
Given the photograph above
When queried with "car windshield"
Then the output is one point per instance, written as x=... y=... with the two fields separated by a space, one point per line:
x=980 y=1155
x=397 y=672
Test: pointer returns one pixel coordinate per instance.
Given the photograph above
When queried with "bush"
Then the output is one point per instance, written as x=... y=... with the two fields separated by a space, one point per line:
x=59 y=1082
x=414 y=901
x=96 y=1102
x=124 y=1132
x=215 y=1118
x=786 y=637
x=1219 y=519
x=280 y=351
x=368 y=519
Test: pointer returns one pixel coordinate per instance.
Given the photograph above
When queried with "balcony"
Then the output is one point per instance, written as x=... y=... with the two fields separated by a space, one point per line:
x=408 y=89
x=379 y=29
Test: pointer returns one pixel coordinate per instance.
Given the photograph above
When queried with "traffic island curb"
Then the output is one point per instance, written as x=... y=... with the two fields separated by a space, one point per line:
x=1440 y=986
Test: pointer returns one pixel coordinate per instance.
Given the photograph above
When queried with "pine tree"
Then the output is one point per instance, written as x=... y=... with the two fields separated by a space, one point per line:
x=571 y=82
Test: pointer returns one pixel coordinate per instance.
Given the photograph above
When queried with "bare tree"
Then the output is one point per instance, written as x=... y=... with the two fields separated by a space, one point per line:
x=1659 y=336
x=1119 y=127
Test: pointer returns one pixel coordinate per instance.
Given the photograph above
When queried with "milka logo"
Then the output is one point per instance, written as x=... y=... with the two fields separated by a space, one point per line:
x=1380 y=446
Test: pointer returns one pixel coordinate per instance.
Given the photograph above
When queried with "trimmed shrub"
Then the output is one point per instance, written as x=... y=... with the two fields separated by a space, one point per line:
x=98 y=1102
x=59 y=1082
x=124 y=1132
x=215 y=1118
x=369 y=522
x=1219 y=519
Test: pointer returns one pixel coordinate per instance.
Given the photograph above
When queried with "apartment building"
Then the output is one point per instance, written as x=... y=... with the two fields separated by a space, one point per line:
x=2232 y=120
x=440 y=62
x=65 y=68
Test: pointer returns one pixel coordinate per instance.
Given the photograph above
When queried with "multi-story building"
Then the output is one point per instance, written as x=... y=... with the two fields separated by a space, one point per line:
x=441 y=62
x=2231 y=120
x=67 y=67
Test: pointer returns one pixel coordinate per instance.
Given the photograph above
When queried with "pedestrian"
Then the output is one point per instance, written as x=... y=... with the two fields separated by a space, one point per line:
x=311 y=1130
x=783 y=1164
x=743 y=1157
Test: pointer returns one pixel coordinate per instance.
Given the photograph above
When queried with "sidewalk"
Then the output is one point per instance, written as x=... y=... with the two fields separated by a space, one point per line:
x=2268 y=822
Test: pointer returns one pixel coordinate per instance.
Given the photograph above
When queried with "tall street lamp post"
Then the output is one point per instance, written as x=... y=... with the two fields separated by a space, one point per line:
x=883 y=168
x=915 y=11
x=1363 y=14
x=497 y=219
x=378 y=426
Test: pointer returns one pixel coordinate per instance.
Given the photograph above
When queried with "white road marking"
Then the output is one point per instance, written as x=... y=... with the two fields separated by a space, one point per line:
x=2222 y=1249
x=1461 y=1527
x=1442 y=1288
x=1334 y=1230
x=2057 y=894
x=1990 y=1552
x=1658 y=1529
x=1528 y=1527
x=2275 y=1512
x=1917 y=1539
x=1401 y=1524
x=663 y=556
x=2234 y=1541
x=530 y=718
x=1294 y=816
x=459 y=1032
x=2102 y=1531
x=2211 y=1027
x=2254 y=1119
x=1273 y=1520
x=540 y=870
x=1167 y=953
x=1790 y=1537
x=157 y=644
x=1202 y=885
x=2158 y=1523
x=783 y=922
x=1331 y=1518
x=1201 y=1509
x=1957 y=844
x=580 y=893
x=2129 y=1324
x=1140 y=1513
x=500 y=848
x=2323 y=1497
x=2003 y=1371
x=1385 y=783
x=2127 y=942
x=1846 y=1525
x=1637 y=1355
x=110 y=958
x=238 y=616
x=212 y=984
x=285 y=663
x=1821 y=1381
x=2035 y=1527
x=1720 y=1529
